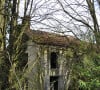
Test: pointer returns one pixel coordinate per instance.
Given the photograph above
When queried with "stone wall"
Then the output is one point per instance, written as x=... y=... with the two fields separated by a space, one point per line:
x=41 y=53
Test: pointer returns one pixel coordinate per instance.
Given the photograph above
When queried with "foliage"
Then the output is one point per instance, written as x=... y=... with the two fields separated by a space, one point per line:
x=83 y=65
x=86 y=72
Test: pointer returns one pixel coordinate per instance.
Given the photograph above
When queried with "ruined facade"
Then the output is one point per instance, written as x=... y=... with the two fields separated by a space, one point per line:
x=47 y=60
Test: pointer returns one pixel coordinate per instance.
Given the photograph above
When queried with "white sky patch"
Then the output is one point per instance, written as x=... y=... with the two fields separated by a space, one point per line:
x=47 y=15
x=21 y=9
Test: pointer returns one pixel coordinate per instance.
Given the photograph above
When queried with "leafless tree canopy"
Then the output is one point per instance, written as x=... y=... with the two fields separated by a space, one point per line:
x=79 y=18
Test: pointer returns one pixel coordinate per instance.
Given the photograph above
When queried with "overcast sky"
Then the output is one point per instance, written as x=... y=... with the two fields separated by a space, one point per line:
x=58 y=20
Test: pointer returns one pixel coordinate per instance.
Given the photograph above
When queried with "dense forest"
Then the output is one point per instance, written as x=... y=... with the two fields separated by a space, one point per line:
x=79 y=18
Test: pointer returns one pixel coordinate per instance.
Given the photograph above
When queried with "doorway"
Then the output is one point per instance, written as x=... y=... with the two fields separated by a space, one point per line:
x=53 y=82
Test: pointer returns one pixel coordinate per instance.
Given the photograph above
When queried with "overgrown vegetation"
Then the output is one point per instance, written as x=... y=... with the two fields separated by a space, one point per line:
x=85 y=65
x=85 y=71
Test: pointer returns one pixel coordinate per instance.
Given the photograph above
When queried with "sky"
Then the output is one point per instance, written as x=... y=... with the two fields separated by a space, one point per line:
x=58 y=20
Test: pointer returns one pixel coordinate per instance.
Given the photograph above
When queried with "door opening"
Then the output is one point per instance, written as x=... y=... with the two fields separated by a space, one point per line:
x=53 y=82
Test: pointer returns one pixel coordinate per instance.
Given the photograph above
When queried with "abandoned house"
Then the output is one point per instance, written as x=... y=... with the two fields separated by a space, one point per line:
x=47 y=60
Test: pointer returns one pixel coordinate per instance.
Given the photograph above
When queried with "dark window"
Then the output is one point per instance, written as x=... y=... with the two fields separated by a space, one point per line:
x=53 y=60
x=23 y=65
x=54 y=83
x=23 y=61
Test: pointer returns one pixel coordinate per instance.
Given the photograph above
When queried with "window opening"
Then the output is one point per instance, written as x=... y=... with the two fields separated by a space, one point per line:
x=53 y=60
x=24 y=65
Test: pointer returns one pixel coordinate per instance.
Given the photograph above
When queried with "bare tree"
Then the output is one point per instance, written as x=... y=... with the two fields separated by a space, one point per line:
x=12 y=40
x=76 y=17
x=83 y=13
x=83 y=19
